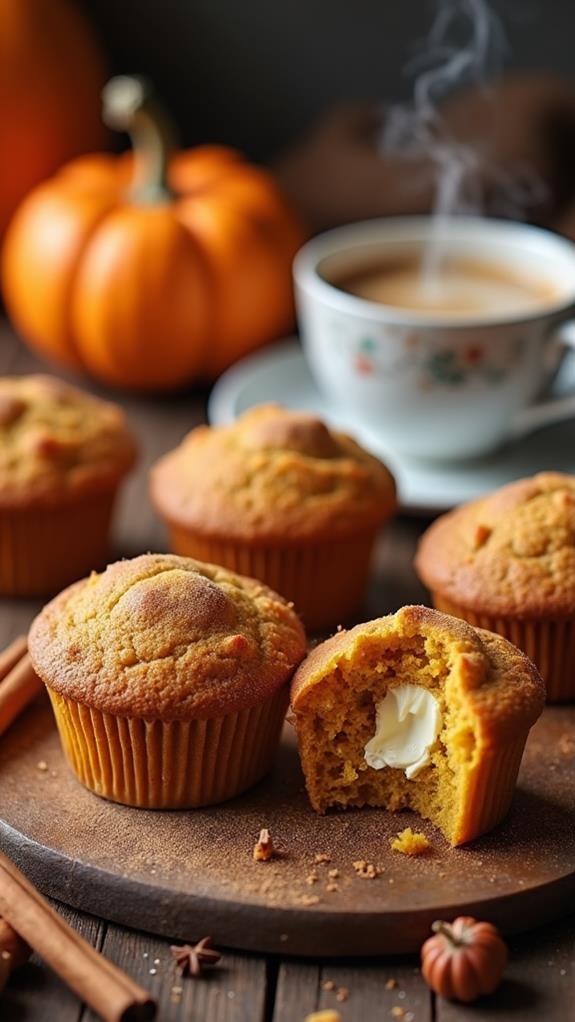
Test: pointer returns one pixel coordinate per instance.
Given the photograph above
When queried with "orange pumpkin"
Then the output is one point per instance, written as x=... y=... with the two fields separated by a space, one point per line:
x=463 y=959
x=51 y=75
x=147 y=271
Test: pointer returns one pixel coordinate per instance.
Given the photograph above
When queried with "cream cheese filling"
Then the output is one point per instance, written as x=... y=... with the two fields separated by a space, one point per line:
x=407 y=723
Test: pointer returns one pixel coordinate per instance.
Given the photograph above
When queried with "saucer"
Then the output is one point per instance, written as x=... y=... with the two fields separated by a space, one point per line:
x=280 y=373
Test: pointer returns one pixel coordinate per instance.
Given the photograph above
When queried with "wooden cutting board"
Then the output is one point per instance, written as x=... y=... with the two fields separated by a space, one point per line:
x=185 y=874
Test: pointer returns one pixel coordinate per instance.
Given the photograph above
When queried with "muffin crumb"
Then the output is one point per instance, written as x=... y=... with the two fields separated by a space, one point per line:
x=366 y=870
x=264 y=847
x=309 y=899
x=410 y=842
x=321 y=859
x=567 y=745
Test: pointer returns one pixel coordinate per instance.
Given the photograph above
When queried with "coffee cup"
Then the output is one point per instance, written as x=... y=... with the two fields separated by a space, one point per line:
x=434 y=383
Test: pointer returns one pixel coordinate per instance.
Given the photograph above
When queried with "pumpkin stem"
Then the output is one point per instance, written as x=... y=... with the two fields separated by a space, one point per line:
x=129 y=105
x=446 y=930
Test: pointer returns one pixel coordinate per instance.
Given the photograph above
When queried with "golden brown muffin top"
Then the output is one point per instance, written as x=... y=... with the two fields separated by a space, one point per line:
x=165 y=637
x=510 y=553
x=56 y=441
x=273 y=475
x=497 y=682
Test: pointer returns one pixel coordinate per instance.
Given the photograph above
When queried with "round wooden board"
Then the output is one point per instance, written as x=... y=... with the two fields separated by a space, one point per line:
x=185 y=874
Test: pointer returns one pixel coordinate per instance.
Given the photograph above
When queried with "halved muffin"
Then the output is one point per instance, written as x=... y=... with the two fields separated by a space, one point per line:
x=416 y=710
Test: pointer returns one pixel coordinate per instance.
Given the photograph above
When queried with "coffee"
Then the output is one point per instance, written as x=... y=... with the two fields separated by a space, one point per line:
x=461 y=287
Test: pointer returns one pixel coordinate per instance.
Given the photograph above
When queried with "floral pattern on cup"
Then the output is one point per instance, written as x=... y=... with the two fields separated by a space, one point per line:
x=439 y=365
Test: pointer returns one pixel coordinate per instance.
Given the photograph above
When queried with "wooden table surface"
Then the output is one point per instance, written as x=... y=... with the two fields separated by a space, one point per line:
x=540 y=979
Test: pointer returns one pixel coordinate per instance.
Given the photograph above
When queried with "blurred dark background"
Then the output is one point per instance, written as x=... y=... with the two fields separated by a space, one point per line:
x=256 y=73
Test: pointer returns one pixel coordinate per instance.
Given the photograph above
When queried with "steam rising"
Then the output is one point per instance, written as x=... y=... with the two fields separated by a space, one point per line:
x=466 y=46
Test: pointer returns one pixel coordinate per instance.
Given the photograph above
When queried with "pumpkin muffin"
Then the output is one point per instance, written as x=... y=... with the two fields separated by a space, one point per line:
x=63 y=455
x=279 y=496
x=168 y=678
x=416 y=710
x=506 y=562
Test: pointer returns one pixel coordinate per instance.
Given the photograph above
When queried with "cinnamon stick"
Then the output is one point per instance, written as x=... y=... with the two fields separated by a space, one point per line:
x=10 y=656
x=107 y=990
x=19 y=683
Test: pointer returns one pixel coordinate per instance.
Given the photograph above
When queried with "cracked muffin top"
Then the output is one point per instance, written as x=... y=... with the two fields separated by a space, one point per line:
x=510 y=553
x=272 y=475
x=166 y=637
x=56 y=441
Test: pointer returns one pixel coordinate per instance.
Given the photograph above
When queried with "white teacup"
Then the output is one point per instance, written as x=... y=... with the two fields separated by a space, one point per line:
x=434 y=385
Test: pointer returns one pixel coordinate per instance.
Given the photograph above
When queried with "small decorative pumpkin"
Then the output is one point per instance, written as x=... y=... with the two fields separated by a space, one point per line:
x=464 y=959
x=146 y=271
x=51 y=74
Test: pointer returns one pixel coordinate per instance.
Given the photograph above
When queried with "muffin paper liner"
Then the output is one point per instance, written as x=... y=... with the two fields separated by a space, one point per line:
x=324 y=581
x=154 y=764
x=549 y=643
x=490 y=790
x=43 y=549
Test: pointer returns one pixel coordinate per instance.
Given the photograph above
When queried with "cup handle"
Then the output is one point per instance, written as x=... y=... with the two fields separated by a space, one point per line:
x=547 y=413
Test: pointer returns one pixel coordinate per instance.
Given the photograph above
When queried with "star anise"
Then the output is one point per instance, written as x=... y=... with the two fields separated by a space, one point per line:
x=191 y=960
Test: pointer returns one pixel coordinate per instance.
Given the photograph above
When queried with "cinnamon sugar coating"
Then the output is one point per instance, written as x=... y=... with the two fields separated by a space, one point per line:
x=511 y=553
x=57 y=441
x=272 y=476
x=166 y=638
